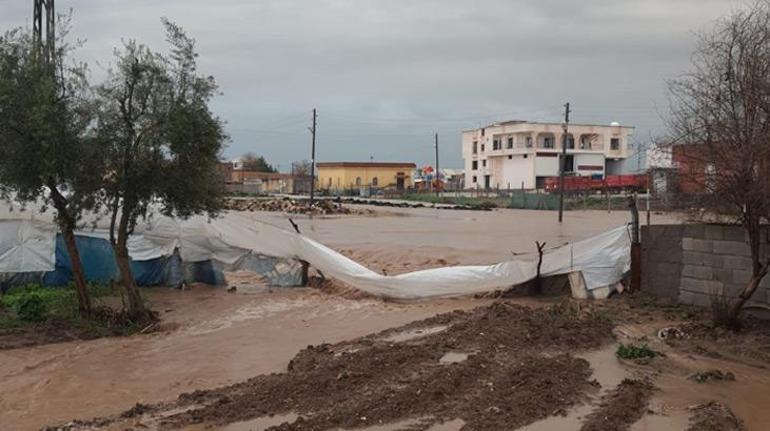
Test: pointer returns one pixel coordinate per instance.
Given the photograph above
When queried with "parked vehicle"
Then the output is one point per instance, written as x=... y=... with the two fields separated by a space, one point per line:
x=611 y=183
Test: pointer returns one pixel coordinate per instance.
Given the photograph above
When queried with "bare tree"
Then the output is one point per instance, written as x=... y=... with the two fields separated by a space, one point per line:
x=721 y=115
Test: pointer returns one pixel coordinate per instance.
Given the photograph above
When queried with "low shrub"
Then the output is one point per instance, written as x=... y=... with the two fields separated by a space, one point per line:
x=632 y=351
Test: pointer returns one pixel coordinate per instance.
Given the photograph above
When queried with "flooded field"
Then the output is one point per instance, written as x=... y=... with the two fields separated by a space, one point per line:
x=212 y=339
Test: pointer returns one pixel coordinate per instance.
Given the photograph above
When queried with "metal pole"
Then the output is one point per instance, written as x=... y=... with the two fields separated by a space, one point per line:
x=438 y=180
x=563 y=162
x=312 y=162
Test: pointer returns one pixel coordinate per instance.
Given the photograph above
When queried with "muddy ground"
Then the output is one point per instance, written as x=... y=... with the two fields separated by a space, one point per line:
x=246 y=339
x=496 y=367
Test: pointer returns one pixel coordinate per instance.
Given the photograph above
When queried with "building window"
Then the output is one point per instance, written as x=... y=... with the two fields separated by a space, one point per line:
x=510 y=143
x=548 y=142
x=474 y=179
x=614 y=144
x=482 y=148
x=475 y=147
x=510 y=157
x=375 y=181
x=496 y=144
x=570 y=142
x=484 y=163
x=529 y=142
x=330 y=182
x=474 y=165
x=358 y=181
x=482 y=132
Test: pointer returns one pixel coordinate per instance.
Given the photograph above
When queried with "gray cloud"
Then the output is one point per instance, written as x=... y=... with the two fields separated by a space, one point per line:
x=387 y=74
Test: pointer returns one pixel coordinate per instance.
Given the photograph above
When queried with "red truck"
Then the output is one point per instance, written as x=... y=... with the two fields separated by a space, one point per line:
x=612 y=183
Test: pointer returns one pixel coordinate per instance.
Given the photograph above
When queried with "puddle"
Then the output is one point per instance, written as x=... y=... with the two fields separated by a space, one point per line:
x=608 y=371
x=258 y=424
x=454 y=425
x=453 y=357
x=606 y=368
x=572 y=421
x=415 y=333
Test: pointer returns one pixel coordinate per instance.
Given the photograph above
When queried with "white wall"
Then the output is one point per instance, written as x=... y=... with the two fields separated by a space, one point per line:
x=518 y=170
x=546 y=166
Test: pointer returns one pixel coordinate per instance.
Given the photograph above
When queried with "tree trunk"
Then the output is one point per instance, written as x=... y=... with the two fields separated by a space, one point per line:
x=134 y=303
x=759 y=269
x=737 y=305
x=67 y=228
x=78 y=275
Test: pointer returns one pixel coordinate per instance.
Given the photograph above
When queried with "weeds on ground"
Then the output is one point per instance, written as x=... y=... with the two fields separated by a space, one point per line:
x=720 y=313
x=633 y=351
x=35 y=305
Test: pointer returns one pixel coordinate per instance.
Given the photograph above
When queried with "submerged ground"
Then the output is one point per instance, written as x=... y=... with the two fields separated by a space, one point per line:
x=495 y=364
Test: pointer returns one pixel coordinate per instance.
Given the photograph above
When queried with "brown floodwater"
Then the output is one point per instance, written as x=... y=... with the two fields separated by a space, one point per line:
x=220 y=338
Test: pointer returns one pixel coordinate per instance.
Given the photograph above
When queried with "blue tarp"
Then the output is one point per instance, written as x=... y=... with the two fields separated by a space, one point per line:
x=100 y=267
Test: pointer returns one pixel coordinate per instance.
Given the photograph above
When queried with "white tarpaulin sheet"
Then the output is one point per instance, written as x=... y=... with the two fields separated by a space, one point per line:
x=27 y=244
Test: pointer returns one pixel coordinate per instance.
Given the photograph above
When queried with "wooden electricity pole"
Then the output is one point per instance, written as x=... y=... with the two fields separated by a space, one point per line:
x=563 y=162
x=312 y=161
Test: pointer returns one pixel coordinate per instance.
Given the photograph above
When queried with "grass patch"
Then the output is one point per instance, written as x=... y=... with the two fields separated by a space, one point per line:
x=633 y=351
x=33 y=311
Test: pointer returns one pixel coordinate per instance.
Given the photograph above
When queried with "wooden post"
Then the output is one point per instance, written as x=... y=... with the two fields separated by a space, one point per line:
x=538 y=279
x=636 y=246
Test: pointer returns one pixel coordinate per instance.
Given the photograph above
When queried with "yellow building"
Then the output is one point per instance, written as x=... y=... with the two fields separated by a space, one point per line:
x=350 y=175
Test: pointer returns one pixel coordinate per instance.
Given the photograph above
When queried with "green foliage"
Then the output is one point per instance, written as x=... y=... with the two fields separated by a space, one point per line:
x=31 y=308
x=252 y=162
x=45 y=113
x=633 y=351
x=35 y=305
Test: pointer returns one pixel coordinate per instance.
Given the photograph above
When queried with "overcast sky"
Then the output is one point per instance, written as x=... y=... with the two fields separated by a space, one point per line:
x=386 y=74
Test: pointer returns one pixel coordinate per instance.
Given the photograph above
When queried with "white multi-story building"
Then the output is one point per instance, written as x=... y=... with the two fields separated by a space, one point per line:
x=516 y=154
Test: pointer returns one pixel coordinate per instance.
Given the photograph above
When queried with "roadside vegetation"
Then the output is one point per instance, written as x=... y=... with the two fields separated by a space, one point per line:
x=34 y=314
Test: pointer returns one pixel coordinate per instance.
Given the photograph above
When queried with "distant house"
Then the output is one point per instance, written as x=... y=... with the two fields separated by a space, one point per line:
x=524 y=153
x=338 y=176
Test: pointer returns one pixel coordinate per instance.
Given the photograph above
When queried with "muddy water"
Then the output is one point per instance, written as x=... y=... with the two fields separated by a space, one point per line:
x=222 y=339
x=225 y=338
x=607 y=370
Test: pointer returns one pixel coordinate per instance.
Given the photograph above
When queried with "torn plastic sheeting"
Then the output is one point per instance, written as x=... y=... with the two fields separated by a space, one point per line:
x=603 y=259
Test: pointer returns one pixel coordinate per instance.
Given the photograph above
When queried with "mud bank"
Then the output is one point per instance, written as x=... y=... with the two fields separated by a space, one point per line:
x=511 y=365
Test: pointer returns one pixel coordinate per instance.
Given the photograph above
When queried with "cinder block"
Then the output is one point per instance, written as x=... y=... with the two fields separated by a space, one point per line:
x=694 y=231
x=741 y=276
x=713 y=231
x=697 y=271
x=707 y=287
x=667 y=269
x=736 y=262
x=734 y=248
x=695 y=244
x=693 y=298
x=702 y=259
x=734 y=233
x=732 y=290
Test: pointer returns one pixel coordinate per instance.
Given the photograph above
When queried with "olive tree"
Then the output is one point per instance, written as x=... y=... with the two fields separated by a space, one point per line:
x=47 y=155
x=721 y=113
x=162 y=143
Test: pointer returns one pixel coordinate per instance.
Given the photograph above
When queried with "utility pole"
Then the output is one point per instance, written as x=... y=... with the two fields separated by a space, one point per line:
x=312 y=161
x=563 y=162
x=45 y=46
x=438 y=180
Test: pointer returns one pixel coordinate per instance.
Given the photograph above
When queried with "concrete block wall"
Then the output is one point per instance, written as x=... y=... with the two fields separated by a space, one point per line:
x=701 y=260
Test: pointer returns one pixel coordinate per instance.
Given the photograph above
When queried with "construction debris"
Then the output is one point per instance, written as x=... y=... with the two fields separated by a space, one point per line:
x=293 y=206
